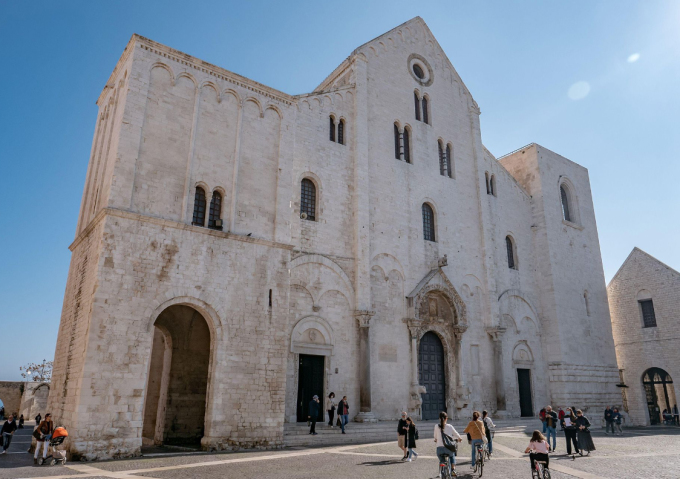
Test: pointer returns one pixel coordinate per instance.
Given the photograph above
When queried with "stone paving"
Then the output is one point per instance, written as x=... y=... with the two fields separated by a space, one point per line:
x=639 y=453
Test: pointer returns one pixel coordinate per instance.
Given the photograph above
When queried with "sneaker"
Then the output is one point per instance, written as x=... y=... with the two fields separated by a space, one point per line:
x=3 y=452
x=409 y=459
x=344 y=432
x=314 y=434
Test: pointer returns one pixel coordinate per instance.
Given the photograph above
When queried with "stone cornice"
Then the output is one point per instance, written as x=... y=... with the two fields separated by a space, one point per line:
x=171 y=224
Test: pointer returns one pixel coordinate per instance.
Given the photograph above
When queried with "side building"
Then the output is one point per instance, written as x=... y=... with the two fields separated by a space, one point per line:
x=240 y=250
x=644 y=297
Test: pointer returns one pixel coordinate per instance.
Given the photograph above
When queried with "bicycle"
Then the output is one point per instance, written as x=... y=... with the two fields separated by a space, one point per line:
x=539 y=471
x=487 y=453
x=445 y=472
x=479 y=463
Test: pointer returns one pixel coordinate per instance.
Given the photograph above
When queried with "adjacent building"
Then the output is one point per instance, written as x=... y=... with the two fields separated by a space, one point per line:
x=240 y=249
x=644 y=299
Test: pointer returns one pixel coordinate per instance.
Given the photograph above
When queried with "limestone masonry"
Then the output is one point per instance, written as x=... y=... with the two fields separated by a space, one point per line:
x=644 y=297
x=240 y=250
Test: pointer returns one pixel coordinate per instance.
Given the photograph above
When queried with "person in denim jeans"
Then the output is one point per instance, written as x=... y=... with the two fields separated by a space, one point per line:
x=550 y=426
x=343 y=412
x=475 y=429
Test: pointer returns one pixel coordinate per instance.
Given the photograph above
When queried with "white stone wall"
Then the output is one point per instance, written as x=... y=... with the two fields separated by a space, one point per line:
x=638 y=348
x=170 y=123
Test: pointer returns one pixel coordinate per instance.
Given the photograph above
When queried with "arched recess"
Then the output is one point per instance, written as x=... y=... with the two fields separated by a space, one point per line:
x=202 y=305
x=312 y=335
x=387 y=263
x=344 y=284
x=659 y=393
x=514 y=302
x=178 y=378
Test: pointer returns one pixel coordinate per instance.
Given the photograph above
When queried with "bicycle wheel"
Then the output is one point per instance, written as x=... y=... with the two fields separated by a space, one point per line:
x=546 y=473
x=481 y=468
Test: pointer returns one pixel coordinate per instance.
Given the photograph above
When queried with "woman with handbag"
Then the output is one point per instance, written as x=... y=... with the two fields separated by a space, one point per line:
x=446 y=438
x=411 y=437
x=330 y=407
x=42 y=434
x=585 y=440
x=475 y=431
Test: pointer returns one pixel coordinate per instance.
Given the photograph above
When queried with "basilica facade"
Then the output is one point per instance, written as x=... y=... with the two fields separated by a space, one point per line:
x=240 y=250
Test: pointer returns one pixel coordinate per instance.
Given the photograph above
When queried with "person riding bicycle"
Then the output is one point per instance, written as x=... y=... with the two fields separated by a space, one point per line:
x=445 y=455
x=475 y=430
x=538 y=449
x=488 y=423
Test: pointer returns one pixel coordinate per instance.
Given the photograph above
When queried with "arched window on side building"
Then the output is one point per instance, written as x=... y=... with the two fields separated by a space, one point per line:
x=428 y=223
x=199 y=207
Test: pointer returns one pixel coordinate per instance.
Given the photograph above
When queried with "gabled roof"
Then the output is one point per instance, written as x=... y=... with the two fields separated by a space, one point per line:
x=637 y=252
x=414 y=22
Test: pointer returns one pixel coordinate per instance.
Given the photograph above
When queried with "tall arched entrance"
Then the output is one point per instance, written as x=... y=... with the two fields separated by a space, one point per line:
x=175 y=402
x=432 y=375
x=659 y=393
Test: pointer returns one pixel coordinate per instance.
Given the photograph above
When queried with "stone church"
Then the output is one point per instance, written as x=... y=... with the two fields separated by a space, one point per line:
x=240 y=249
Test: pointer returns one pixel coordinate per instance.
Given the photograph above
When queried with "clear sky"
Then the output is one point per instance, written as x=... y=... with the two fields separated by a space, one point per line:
x=595 y=81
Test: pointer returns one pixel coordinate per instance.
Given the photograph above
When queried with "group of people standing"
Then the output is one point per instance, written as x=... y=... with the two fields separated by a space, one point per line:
x=42 y=433
x=341 y=408
x=613 y=420
x=575 y=425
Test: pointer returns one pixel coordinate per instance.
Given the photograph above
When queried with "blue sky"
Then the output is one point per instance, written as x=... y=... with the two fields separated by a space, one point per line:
x=519 y=59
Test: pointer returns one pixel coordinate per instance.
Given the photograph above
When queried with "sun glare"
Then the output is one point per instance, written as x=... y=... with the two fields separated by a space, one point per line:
x=579 y=90
x=633 y=58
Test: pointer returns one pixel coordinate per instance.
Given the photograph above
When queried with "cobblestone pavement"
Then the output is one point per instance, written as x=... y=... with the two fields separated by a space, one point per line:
x=639 y=453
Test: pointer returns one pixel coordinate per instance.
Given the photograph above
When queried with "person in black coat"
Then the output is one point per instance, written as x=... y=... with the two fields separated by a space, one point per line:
x=570 y=429
x=8 y=432
x=585 y=440
x=411 y=437
x=313 y=414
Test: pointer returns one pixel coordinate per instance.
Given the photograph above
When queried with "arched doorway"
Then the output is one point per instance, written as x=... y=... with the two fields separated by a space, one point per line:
x=659 y=393
x=432 y=375
x=175 y=402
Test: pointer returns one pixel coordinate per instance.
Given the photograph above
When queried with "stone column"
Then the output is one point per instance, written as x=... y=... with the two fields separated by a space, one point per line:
x=462 y=395
x=497 y=337
x=365 y=414
x=416 y=389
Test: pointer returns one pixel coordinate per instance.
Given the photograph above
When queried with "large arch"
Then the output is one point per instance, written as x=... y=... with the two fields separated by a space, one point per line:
x=659 y=393
x=178 y=377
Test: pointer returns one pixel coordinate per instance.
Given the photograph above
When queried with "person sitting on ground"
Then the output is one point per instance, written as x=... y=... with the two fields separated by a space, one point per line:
x=538 y=450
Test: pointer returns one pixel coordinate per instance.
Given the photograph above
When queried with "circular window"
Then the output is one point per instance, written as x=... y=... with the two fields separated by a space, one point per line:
x=420 y=70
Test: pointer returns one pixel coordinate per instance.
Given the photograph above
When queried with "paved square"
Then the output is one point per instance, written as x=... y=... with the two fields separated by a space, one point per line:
x=639 y=453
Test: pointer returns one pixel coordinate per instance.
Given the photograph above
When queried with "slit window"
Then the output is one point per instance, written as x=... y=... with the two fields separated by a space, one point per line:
x=199 y=207
x=428 y=223
x=566 y=214
x=510 y=247
x=308 y=200
x=214 y=220
x=417 y=104
x=341 y=132
x=425 y=113
x=331 y=122
x=407 y=145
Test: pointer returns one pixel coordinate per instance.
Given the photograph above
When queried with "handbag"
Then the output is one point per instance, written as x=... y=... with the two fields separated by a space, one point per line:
x=416 y=435
x=449 y=442
x=484 y=439
x=37 y=434
x=338 y=422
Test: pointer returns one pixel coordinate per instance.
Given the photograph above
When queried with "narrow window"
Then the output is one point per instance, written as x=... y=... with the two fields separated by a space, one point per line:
x=425 y=118
x=407 y=146
x=449 y=161
x=270 y=299
x=492 y=185
x=648 y=316
x=587 y=303
x=565 y=203
x=417 y=102
x=442 y=159
x=488 y=186
x=214 y=220
x=308 y=200
x=397 y=154
x=511 y=252
x=332 y=128
x=199 y=207
x=428 y=223
x=341 y=132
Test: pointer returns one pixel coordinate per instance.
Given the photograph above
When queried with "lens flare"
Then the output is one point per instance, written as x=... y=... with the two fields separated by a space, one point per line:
x=579 y=90
x=633 y=58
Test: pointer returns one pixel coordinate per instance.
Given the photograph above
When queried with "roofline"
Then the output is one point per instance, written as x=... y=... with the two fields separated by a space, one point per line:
x=636 y=249
x=198 y=64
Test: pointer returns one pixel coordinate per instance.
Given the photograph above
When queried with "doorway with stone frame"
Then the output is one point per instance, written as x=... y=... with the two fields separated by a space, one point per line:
x=177 y=382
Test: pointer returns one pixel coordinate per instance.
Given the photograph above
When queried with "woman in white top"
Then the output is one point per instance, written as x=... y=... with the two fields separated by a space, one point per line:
x=538 y=449
x=488 y=423
x=442 y=452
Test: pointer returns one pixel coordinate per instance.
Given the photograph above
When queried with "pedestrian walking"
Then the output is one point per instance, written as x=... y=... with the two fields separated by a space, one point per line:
x=330 y=407
x=402 y=433
x=475 y=431
x=676 y=415
x=570 y=429
x=541 y=416
x=43 y=434
x=21 y=421
x=8 y=432
x=585 y=439
x=313 y=414
x=488 y=424
x=446 y=438
x=38 y=419
x=608 y=420
x=411 y=439
x=343 y=411
x=618 y=419
x=551 y=426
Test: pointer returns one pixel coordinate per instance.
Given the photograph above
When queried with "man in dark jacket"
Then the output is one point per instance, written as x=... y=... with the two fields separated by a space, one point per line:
x=7 y=432
x=313 y=414
x=343 y=411
x=402 y=430
x=608 y=420
x=551 y=426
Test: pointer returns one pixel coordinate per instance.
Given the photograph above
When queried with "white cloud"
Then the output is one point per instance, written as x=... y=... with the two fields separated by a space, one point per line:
x=633 y=58
x=579 y=90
